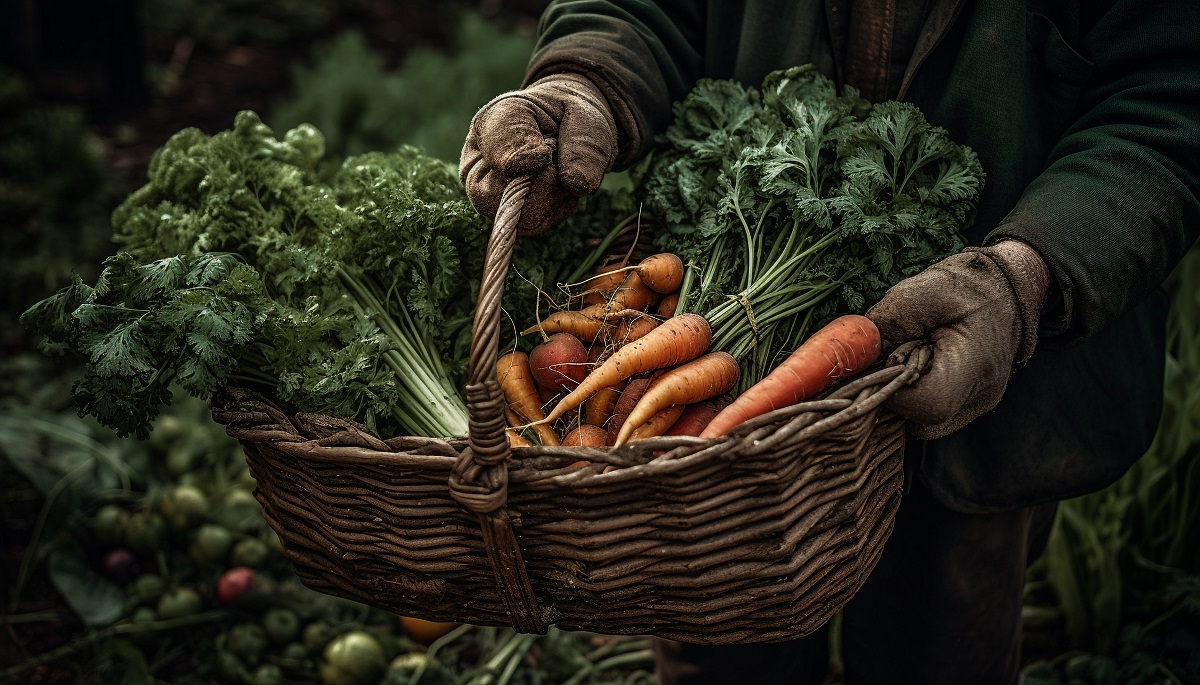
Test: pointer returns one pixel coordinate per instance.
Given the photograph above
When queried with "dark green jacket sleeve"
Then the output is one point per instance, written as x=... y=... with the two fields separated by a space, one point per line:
x=643 y=55
x=1116 y=207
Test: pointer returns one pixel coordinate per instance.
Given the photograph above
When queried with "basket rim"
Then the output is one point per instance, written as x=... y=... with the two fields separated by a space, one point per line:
x=252 y=417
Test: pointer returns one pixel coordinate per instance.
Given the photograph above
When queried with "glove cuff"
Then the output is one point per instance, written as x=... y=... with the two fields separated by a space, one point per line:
x=1028 y=277
x=574 y=84
x=627 y=125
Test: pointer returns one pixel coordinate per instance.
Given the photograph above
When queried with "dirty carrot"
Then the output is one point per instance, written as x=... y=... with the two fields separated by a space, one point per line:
x=598 y=409
x=843 y=347
x=628 y=330
x=633 y=293
x=606 y=279
x=695 y=417
x=675 y=341
x=662 y=272
x=666 y=307
x=515 y=439
x=625 y=403
x=707 y=376
x=580 y=323
x=658 y=423
x=521 y=393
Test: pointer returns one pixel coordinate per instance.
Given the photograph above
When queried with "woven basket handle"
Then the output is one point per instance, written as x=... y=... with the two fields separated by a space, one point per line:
x=479 y=481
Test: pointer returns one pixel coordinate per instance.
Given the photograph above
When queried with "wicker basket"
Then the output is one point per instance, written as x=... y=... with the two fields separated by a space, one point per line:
x=759 y=536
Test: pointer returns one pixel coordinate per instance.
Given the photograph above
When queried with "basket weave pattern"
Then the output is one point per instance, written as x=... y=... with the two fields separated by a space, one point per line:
x=758 y=536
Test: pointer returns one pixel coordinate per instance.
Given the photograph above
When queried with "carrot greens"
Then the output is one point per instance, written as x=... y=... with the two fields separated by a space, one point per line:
x=794 y=202
x=338 y=292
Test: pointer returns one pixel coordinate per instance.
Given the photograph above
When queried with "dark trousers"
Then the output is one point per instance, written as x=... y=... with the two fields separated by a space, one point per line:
x=943 y=606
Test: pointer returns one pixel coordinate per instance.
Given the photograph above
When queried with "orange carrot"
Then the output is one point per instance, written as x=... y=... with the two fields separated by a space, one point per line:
x=628 y=330
x=512 y=430
x=521 y=393
x=842 y=348
x=662 y=272
x=633 y=293
x=675 y=341
x=707 y=376
x=598 y=409
x=625 y=403
x=660 y=422
x=666 y=306
x=582 y=323
x=515 y=439
x=695 y=417
x=599 y=287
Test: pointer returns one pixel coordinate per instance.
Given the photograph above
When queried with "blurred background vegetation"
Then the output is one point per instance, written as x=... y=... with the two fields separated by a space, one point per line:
x=88 y=91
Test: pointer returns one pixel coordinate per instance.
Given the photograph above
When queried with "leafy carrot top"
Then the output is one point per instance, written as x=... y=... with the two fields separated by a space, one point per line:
x=794 y=202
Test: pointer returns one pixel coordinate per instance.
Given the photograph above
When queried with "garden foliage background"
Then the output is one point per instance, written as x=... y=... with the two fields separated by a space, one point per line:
x=95 y=595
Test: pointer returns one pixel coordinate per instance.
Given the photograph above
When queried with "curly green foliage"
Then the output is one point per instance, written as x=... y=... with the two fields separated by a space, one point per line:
x=348 y=292
x=241 y=190
x=144 y=326
x=810 y=202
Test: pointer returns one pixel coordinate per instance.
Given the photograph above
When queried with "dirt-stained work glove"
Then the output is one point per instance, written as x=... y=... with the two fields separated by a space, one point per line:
x=559 y=130
x=980 y=310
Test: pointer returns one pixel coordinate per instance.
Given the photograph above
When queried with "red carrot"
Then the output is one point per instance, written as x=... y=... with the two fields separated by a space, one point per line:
x=844 y=347
x=696 y=417
x=626 y=401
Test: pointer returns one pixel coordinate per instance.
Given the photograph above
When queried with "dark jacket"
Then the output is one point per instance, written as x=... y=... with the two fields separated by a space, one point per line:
x=1086 y=117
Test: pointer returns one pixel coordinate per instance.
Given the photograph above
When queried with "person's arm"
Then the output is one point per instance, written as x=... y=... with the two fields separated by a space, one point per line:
x=1117 y=205
x=1114 y=211
x=599 y=87
x=643 y=55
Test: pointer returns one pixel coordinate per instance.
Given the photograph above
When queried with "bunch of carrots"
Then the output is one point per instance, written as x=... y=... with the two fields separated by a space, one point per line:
x=622 y=364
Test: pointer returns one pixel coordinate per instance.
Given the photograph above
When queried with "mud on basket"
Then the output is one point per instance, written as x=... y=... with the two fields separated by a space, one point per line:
x=761 y=535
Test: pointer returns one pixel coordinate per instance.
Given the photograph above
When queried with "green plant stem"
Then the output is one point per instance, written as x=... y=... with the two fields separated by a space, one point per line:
x=585 y=267
x=446 y=639
x=95 y=636
x=97 y=448
x=513 y=650
x=40 y=525
x=432 y=406
x=644 y=657
x=513 y=660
